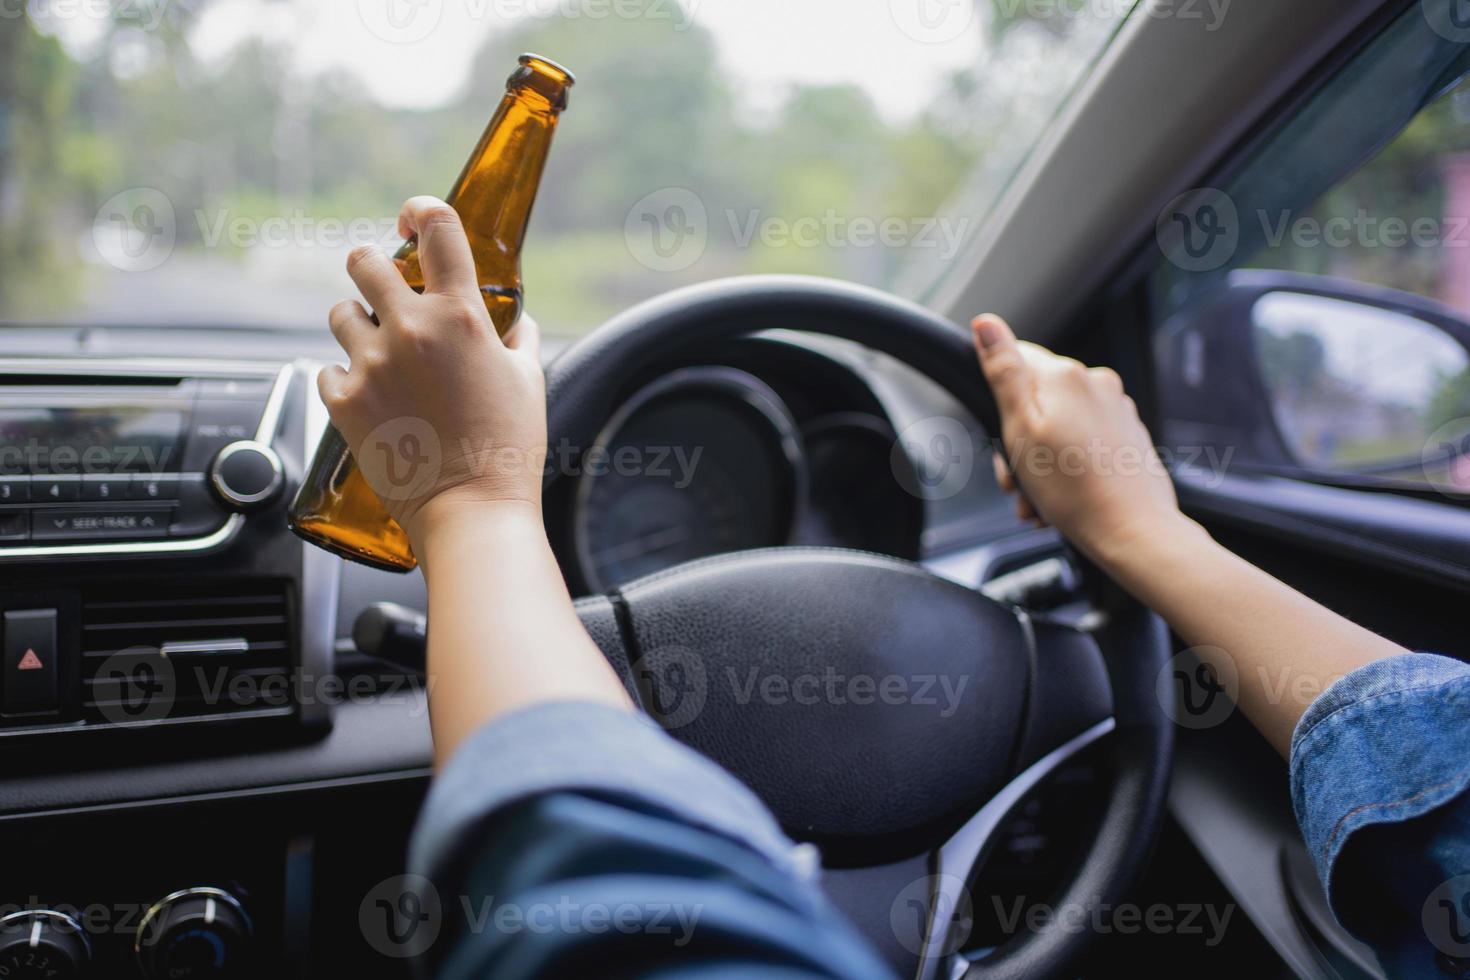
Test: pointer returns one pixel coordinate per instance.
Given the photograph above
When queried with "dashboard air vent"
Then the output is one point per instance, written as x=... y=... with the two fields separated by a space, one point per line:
x=187 y=652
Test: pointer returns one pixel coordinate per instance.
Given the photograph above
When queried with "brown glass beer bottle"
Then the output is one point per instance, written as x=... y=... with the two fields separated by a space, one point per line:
x=336 y=508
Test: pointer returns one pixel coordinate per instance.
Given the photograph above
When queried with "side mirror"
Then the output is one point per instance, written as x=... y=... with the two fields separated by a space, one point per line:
x=1324 y=378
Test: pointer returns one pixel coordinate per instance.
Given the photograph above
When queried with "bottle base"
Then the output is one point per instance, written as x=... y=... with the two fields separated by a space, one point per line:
x=361 y=557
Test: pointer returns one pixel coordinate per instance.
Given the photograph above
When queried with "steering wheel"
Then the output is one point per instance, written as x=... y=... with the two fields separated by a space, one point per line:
x=885 y=782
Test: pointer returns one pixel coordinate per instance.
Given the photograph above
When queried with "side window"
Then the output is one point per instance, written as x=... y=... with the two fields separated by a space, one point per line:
x=1313 y=312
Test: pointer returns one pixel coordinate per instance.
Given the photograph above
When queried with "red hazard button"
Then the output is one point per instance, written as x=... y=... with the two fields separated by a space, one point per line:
x=29 y=685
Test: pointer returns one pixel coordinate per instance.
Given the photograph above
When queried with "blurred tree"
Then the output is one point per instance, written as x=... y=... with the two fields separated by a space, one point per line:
x=1295 y=363
x=253 y=135
x=37 y=86
x=1450 y=401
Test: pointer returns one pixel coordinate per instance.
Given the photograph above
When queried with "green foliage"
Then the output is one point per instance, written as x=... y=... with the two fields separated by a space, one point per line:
x=1294 y=362
x=1450 y=401
x=251 y=138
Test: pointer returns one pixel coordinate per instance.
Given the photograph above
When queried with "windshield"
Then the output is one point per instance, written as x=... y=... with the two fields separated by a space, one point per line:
x=209 y=163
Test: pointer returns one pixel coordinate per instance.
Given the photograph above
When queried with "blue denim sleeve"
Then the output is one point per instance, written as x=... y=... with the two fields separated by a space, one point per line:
x=579 y=840
x=1380 y=767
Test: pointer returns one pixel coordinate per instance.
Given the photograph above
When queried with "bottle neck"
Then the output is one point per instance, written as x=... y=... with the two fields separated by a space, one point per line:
x=497 y=188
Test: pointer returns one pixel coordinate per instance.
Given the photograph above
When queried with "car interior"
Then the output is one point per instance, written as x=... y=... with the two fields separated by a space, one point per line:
x=215 y=730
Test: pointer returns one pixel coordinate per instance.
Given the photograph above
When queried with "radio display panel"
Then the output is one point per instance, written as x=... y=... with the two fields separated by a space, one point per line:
x=90 y=439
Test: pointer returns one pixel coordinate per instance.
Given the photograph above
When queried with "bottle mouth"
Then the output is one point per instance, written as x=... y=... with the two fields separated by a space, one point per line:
x=559 y=72
x=545 y=77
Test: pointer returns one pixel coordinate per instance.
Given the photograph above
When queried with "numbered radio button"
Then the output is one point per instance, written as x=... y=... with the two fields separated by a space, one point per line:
x=155 y=488
x=56 y=490
x=107 y=489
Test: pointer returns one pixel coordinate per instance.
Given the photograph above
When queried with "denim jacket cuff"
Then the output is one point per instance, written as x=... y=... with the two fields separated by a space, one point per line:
x=1371 y=750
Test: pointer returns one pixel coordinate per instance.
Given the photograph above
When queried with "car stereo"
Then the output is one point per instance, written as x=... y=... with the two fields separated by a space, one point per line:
x=93 y=463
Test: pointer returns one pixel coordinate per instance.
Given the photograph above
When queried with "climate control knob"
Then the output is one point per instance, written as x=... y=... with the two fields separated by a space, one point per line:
x=197 y=932
x=42 y=943
x=246 y=475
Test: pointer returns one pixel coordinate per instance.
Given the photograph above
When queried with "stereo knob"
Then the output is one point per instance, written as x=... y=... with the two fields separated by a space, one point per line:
x=246 y=475
x=42 y=943
x=197 y=932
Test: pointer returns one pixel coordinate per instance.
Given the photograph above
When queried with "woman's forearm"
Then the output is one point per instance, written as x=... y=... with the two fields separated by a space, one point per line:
x=503 y=631
x=1286 y=649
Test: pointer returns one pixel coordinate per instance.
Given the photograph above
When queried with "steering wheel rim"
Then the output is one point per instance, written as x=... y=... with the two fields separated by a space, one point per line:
x=585 y=385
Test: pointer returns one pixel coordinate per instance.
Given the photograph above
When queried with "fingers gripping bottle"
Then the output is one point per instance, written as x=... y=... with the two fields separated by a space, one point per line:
x=336 y=507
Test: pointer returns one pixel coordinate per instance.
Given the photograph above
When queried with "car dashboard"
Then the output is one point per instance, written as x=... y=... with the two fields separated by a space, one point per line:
x=202 y=716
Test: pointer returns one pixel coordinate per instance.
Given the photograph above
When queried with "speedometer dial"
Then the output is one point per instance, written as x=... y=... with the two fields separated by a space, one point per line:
x=704 y=461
